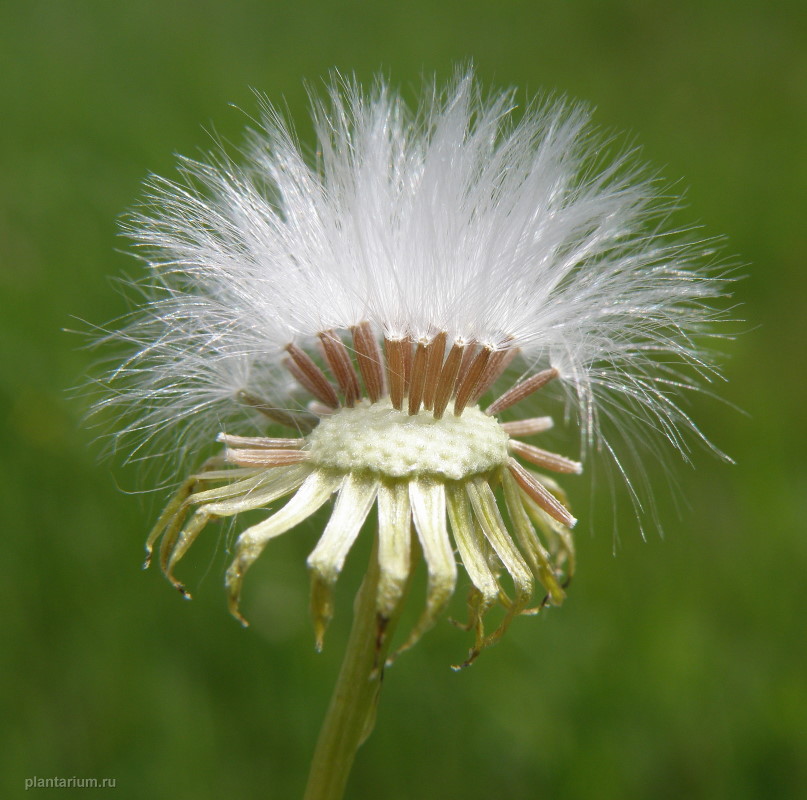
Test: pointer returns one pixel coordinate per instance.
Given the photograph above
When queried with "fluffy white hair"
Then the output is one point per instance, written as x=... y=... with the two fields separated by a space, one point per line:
x=504 y=226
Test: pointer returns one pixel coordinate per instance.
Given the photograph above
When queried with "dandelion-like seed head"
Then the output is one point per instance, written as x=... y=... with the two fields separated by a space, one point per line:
x=370 y=301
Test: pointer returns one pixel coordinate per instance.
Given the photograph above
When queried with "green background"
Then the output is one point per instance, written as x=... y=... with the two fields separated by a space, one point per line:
x=678 y=666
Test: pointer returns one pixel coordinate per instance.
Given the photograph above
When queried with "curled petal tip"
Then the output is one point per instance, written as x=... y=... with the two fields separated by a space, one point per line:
x=234 y=587
x=237 y=614
x=472 y=656
x=182 y=590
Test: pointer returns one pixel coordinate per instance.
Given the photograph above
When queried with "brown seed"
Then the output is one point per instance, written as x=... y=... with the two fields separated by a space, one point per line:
x=522 y=390
x=311 y=376
x=338 y=358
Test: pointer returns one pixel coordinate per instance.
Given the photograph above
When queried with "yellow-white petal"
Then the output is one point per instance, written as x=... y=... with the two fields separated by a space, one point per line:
x=466 y=535
x=314 y=492
x=536 y=554
x=253 y=494
x=487 y=514
x=394 y=544
x=356 y=498
x=429 y=513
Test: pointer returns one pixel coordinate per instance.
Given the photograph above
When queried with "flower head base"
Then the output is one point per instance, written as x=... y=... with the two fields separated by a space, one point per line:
x=370 y=301
x=430 y=463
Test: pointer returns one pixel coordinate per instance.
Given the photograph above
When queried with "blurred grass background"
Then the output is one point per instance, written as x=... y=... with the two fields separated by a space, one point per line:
x=677 y=668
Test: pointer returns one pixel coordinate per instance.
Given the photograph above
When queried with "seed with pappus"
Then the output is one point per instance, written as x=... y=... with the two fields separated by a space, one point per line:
x=365 y=327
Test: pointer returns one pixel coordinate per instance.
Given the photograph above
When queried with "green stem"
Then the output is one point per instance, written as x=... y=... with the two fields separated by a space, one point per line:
x=351 y=713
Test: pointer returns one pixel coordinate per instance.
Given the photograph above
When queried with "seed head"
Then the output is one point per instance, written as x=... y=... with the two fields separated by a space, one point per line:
x=372 y=299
